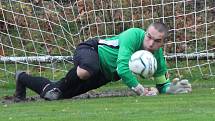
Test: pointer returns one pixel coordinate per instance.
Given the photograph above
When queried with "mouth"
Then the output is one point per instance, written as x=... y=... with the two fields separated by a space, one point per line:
x=150 y=50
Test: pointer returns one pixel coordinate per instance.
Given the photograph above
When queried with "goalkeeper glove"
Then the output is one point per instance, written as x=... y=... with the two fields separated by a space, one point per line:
x=179 y=86
x=152 y=91
x=141 y=91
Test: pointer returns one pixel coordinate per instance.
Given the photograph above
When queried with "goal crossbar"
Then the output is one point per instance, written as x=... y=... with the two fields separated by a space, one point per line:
x=48 y=59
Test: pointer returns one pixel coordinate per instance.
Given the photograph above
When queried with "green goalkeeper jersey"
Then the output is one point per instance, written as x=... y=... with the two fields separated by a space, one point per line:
x=115 y=52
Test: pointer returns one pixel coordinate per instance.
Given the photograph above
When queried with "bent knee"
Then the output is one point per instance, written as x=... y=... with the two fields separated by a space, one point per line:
x=82 y=73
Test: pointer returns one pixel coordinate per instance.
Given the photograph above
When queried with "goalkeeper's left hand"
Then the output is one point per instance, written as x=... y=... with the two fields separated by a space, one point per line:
x=152 y=91
x=179 y=86
x=143 y=91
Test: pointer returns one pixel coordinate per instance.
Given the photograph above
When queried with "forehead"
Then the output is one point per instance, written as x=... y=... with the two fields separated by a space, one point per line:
x=155 y=33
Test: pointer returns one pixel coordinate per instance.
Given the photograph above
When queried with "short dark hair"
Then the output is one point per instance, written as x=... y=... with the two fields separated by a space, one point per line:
x=161 y=27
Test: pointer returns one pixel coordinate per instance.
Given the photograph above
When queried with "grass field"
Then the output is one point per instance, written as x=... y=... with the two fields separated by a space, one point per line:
x=196 y=106
x=41 y=29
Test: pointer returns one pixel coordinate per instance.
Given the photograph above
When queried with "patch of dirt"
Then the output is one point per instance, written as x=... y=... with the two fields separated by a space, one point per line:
x=88 y=95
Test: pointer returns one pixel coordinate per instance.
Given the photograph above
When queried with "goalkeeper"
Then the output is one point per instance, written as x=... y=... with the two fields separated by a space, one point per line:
x=100 y=61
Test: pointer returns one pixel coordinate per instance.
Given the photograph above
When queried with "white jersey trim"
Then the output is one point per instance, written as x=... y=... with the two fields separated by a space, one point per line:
x=114 y=43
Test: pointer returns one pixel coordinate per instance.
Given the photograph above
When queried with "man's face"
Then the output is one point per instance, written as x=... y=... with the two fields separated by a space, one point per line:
x=153 y=39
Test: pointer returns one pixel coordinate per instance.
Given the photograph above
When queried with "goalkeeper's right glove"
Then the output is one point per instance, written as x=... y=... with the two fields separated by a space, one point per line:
x=179 y=86
x=175 y=87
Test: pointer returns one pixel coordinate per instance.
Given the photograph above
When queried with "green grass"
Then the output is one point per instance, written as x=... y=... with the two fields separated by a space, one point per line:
x=196 y=106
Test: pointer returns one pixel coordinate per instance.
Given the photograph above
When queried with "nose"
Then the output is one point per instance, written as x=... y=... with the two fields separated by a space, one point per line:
x=151 y=43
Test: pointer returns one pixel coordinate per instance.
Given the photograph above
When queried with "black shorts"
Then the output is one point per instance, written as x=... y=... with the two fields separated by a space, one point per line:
x=86 y=56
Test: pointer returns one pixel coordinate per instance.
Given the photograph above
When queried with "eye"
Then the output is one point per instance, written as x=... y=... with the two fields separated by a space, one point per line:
x=149 y=36
x=157 y=40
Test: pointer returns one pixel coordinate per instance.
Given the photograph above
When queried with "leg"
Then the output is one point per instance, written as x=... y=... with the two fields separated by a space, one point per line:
x=84 y=86
x=82 y=73
x=86 y=68
x=24 y=80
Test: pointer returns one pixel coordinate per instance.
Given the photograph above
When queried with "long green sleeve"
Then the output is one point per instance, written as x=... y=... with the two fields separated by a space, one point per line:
x=130 y=41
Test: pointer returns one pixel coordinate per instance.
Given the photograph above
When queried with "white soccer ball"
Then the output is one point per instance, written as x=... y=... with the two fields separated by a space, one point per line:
x=143 y=63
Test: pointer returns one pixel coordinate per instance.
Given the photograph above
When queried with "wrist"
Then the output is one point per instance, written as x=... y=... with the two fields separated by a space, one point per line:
x=139 y=89
x=133 y=84
x=162 y=88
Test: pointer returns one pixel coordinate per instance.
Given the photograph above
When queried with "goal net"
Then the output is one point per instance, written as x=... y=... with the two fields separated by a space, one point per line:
x=40 y=36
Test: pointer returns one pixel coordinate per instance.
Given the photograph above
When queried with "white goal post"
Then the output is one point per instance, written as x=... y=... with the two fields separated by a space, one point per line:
x=41 y=35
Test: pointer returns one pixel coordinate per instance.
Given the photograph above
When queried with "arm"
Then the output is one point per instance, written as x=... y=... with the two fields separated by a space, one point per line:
x=163 y=84
x=130 y=41
x=174 y=87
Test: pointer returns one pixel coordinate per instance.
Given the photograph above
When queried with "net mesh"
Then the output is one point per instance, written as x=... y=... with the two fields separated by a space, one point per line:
x=36 y=31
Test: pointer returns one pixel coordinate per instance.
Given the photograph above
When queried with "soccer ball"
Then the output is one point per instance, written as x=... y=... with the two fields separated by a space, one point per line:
x=143 y=63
